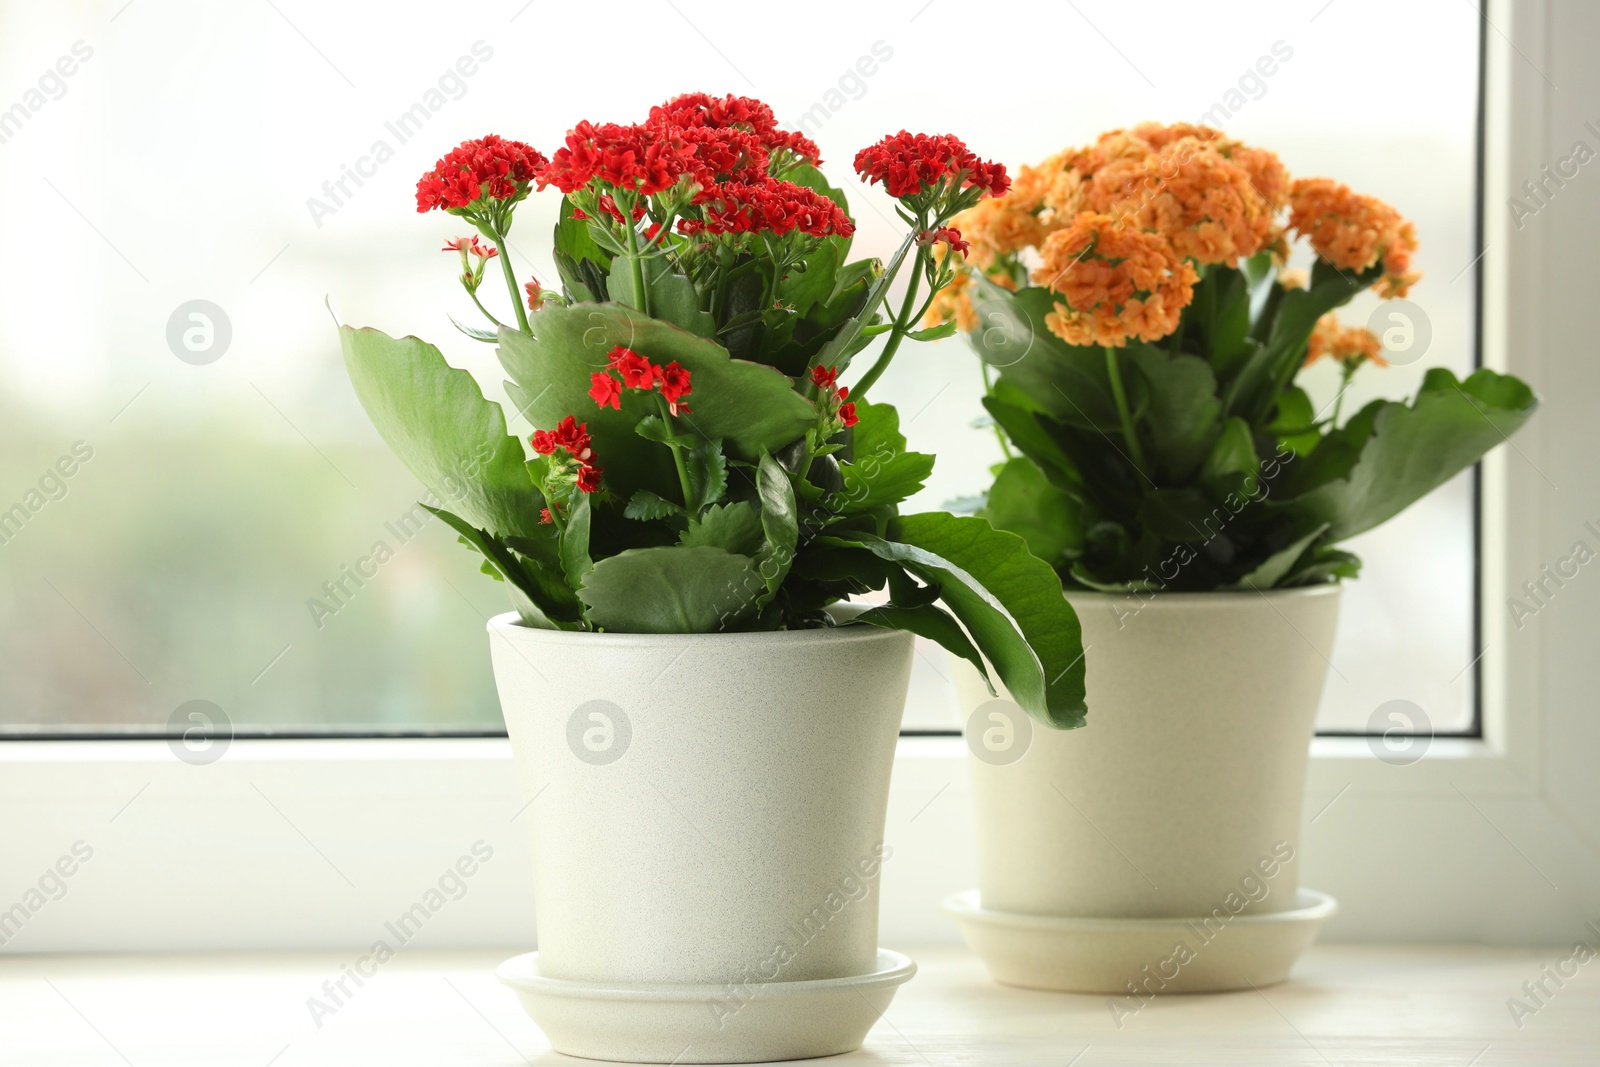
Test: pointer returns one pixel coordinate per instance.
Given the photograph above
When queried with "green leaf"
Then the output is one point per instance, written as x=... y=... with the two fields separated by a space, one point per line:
x=435 y=419
x=1022 y=501
x=779 y=522
x=880 y=471
x=673 y=297
x=810 y=282
x=1269 y=369
x=934 y=333
x=1008 y=600
x=583 y=264
x=1181 y=419
x=930 y=621
x=1232 y=465
x=708 y=474
x=849 y=340
x=545 y=600
x=646 y=506
x=1276 y=567
x=489 y=336
x=751 y=407
x=671 y=589
x=734 y=527
x=575 y=562
x=1391 y=455
x=1067 y=381
x=1292 y=421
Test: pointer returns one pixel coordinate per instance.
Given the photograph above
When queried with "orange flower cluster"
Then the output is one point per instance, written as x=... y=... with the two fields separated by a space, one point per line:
x=1351 y=345
x=1116 y=282
x=1353 y=232
x=1192 y=194
x=1199 y=195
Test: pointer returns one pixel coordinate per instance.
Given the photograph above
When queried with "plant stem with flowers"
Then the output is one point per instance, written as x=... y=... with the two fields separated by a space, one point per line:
x=704 y=260
x=1145 y=279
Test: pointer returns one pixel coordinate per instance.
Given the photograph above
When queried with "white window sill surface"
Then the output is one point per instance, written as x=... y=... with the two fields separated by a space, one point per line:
x=1392 y=1004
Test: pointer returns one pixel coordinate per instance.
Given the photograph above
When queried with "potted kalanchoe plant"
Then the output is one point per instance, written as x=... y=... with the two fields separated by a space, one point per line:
x=704 y=729
x=1141 y=336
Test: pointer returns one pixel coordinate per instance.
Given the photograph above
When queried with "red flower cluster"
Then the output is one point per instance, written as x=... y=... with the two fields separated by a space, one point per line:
x=910 y=163
x=637 y=372
x=703 y=111
x=826 y=379
x=573 y=436
x=629 y=157
x=489 y=167
x=770 y=206
x=947 y=235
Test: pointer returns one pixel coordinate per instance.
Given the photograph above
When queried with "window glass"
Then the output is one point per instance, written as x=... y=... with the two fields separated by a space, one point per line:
x=193 y=505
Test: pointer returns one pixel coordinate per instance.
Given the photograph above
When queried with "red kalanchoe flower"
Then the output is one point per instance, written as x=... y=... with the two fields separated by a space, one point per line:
x=544 y=516
x=948 y=235
x=637 y=372
x=824 y=377
x=569 y=434
x=470 y=245
x=770 y=206
x=605 y=390
x=489 y=167
x=740 y=113
x=536 y=294
x=589 y=478
x=911 y=163
x=674 y=380
x=640 y=158
x=847 y=414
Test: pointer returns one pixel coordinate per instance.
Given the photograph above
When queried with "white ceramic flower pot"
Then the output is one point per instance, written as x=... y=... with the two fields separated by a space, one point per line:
x=1179 y=802
x=707 y=822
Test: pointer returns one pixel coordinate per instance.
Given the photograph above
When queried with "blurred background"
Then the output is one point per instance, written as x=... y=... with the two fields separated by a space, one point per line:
x=261 y=157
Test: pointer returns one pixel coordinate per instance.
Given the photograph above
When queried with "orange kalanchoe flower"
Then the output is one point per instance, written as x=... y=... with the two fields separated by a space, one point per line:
x=1188 y=191
x=1116 y=282
x=1353 y=232
x=1351 y=345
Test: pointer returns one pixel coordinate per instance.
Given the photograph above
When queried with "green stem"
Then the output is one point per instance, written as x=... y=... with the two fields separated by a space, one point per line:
x=677 y=453
x=485 y=310
x=896 y=335
x=1338 y=401
x=988 y=390
x=511 y=281
x=635 y=260
x=1129 y=433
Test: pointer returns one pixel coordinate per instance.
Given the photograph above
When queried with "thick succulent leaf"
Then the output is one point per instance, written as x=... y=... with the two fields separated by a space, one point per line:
x=1276 y=567
x=540 y=594
x=1406 y=451
x=780 y=524
x=1182 y=417
x=1008 y=600
x=734 y=527
x=435 y=419
x=930 y=621
x=575 y=562
x=1067 y=381
x=671 y=589
x=879 y=471
x=1024 y=502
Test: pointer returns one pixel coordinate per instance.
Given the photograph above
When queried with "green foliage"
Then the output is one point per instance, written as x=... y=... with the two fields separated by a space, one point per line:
x=1231 y=480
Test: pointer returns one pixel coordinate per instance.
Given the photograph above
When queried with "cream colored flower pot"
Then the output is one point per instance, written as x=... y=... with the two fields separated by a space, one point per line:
x=1180 y=800
x=706 y=813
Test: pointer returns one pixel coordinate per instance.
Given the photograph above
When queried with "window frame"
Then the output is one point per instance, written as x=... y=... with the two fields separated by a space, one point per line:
x=401 y=807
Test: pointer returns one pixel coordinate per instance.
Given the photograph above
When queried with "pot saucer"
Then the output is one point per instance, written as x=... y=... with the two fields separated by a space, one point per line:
x=1140 y=956
x=661 y=1023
